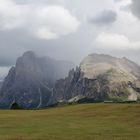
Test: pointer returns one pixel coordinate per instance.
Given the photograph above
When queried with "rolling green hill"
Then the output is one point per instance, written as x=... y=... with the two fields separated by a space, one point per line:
x=75 y=122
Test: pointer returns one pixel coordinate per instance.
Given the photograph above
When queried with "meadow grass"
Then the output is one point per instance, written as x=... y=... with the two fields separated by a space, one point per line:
x=74 y=122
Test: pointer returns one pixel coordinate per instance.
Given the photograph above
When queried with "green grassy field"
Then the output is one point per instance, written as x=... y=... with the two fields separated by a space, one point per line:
x=76 y=122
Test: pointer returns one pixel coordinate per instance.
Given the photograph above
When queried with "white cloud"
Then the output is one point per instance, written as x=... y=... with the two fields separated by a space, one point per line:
x=116 y=41
x=43 y=21
x=10 y=15
x=55 y=21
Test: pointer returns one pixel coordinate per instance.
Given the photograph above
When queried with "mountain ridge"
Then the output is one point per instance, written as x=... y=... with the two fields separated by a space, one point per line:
x=37 y=82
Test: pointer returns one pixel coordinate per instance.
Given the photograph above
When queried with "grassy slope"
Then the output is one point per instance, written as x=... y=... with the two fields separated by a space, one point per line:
x=77 y=122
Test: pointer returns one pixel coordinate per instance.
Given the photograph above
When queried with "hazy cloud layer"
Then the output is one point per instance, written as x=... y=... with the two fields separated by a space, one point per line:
x=61 y=29
x=104 y=18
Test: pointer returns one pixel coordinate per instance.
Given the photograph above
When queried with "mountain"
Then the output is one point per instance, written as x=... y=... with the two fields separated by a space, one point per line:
x=29 y=84
x=99 y=78
x=37 y=82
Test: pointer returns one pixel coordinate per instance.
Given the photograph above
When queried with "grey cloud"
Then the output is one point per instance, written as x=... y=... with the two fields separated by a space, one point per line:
x=3 y=72
x=135 y=8
x=6 y=62
x=103 y=18
x=12 y=45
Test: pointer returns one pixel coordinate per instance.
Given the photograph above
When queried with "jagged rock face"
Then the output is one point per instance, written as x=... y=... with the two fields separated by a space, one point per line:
x=99 y=78
x=76 y=85
x=30 y=82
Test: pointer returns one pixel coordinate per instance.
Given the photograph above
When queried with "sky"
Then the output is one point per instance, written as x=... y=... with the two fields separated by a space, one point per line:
x=68 y=29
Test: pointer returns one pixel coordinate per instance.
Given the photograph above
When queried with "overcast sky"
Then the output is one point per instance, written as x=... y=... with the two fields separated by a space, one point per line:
x=68 y=29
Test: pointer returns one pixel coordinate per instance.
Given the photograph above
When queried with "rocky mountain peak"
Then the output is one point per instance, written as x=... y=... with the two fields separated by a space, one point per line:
x=120 y=69
x=30 y=82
